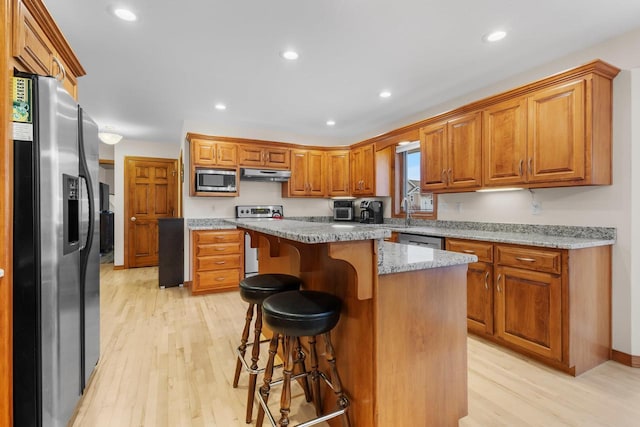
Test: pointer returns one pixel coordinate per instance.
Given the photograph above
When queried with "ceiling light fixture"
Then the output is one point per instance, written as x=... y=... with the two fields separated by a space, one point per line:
x=109 y=137
x=125 y=14
x=495 y=36
x=331 y=122
x=385 y=94
x=291 y=55
x=220 y=106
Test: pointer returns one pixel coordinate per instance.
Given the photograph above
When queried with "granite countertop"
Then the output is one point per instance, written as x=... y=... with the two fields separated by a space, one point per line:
x=399 y=258
x=313 y=232
x=518 y=238
x=322 y=229
x=209 y=224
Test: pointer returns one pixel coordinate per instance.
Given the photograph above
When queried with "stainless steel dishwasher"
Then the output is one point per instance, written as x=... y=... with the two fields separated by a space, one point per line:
x=420 y=240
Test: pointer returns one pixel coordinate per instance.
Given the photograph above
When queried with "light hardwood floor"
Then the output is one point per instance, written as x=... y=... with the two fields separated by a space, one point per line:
x=167 y=360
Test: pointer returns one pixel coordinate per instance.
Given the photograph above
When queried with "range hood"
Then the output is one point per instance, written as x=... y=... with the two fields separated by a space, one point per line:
x=264 y=175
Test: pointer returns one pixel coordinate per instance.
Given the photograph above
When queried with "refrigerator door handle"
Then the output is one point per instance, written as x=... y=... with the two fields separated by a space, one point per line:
x=85 y=212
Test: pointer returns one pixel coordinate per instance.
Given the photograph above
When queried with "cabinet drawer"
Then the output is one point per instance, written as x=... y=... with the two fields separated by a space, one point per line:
x=223 y=262
x=208 y=280
x=529 y=258
x=218 y=249
x=232 y=236
x=484 y=251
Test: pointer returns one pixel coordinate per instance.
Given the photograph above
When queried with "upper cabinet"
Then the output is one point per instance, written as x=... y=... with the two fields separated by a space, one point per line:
x=213 y=153
x=552 y=133
x=264 y=156
x=363 y=171
x=539 y=139
x=337 y=173
x=39 y=47
x=307 y=179
x=451 y=154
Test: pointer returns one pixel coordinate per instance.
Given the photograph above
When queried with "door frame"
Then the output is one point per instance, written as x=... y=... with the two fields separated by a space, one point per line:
x=126 y=196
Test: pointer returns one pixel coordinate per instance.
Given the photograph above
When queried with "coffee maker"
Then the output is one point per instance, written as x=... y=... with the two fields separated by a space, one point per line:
x=371 y=212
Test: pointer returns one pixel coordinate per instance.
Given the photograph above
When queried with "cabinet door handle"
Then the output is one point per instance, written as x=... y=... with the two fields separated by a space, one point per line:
x=468 y=251
x=519 y=258
x=498 y=282
x=520 y=167
x=444 y=176
x=530 y=165
x=450 y=178
x=486 y=280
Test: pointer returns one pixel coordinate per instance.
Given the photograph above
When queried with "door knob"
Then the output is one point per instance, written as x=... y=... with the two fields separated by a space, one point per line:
x=133 y=218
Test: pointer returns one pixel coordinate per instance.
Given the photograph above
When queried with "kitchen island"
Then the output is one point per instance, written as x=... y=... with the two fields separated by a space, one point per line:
x=401 y=340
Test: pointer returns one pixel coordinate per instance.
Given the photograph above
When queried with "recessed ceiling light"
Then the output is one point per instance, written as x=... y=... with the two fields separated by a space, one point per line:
x=331 y=122
x=495 y=36
x=125 y=14
x=291 y=55
x=220 y=106
x=385 y=94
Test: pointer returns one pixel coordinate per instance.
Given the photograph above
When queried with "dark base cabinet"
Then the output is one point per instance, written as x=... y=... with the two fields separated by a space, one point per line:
x=170 y=252
x=106 y=232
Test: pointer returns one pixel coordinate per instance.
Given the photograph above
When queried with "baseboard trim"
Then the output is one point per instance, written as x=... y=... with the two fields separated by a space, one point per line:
x=188 y=283
x=625 y=359
x=119 y=267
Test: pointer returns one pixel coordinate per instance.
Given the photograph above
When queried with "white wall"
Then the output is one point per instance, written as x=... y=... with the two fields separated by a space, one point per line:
x=124 y=149
x=634 y=213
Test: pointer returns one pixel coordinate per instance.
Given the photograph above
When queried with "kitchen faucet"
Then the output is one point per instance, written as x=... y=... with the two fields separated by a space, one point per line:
x=407 y=211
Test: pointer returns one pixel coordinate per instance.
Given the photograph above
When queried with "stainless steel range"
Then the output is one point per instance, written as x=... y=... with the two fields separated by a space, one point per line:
x=259 y=213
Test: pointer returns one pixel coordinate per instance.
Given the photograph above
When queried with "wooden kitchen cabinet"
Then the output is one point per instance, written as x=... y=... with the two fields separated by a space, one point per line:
x=551 y=304
x=363 y=171
x=451 y=154
x=504 y=147
x=218 y=260
x=264 y=157
x=337 y=173
x=212 y=153
x=39 y=47
x=307 y=179
x=479 y=284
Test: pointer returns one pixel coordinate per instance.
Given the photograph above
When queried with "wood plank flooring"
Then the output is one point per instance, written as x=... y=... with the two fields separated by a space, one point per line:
x=167 y=360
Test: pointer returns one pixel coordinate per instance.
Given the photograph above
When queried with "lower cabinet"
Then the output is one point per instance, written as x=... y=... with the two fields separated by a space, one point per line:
x=551 y=304
x=218 y=260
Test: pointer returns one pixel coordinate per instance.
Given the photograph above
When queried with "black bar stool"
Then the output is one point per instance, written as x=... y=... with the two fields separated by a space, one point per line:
x=291 y=315
x=254 y=290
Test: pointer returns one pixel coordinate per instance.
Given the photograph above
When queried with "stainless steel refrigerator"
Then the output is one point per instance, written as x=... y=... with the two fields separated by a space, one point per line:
x=56 y=302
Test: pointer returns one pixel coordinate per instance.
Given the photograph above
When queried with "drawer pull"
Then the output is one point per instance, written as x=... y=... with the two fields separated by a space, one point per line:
x=498 y=282
x=220 y=249
x=519 y=258
x=468 y=251
x=486 y=280
x=219 y=279
x=220 y=262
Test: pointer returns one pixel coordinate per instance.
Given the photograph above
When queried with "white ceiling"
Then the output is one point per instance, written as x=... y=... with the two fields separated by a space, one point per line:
x=181 y=57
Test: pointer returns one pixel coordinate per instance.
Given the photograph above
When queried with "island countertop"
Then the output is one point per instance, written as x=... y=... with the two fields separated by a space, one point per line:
x=312 y=232
x=399 y=258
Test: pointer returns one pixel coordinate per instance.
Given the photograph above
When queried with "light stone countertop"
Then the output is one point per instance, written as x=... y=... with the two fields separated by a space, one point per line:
x=209 y=224
x=313 y=232
x=399 y=258
x=517 y=238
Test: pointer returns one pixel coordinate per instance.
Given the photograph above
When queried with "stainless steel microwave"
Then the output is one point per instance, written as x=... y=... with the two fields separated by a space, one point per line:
x=216 y=180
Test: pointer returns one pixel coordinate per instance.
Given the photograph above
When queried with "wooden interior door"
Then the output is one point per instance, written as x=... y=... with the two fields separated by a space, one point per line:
x=150 y=193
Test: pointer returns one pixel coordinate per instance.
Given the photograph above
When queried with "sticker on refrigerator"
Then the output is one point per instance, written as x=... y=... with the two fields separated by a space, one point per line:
x=22 y=114
x=21 y=100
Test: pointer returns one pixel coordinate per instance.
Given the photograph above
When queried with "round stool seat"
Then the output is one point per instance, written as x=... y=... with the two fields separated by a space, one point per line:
x=301 y=313
x=256 y=288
